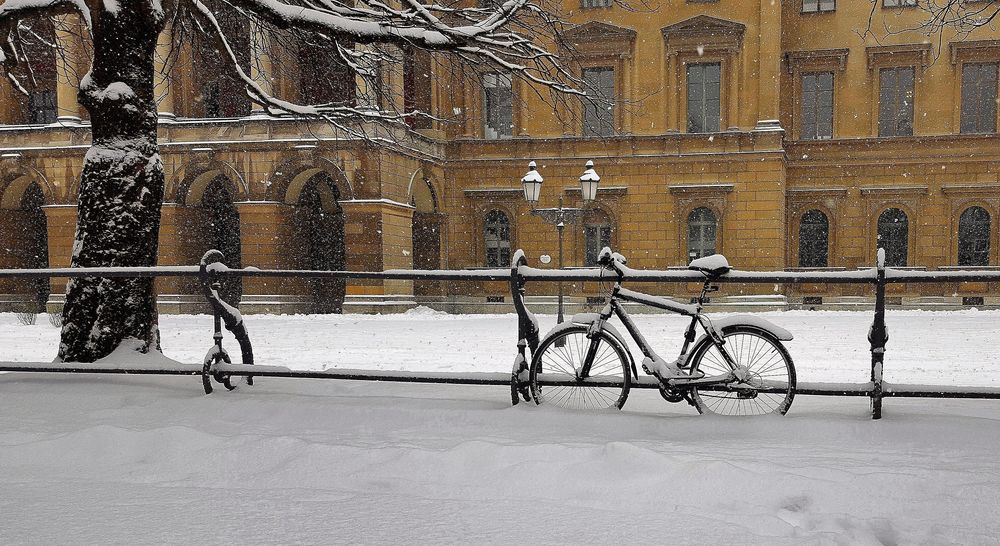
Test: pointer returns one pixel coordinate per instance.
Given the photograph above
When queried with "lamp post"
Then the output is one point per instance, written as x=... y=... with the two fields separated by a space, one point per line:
x=560 y=216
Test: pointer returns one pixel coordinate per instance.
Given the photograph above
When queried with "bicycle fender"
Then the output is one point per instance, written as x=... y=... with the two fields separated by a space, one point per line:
x=721 y=324
x=586 y=319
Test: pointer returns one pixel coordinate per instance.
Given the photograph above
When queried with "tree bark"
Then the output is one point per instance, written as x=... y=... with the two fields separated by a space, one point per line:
x=121 y=189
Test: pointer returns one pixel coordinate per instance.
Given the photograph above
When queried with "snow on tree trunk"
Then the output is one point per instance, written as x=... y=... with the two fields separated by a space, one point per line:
x=121 y=189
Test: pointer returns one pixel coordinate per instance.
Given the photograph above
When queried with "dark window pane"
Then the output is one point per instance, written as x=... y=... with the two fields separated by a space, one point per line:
x=496 y=235
x=704 y=97
x=979 y=96
x=598 y=113
x=974 y=237
x=895 y=101
x=817 y=106
x=701 y=233
x=597 y=237
x=498 y=108
x=893 y=236
x=814 y=236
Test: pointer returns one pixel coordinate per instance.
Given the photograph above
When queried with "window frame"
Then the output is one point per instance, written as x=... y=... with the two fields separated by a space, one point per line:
x=819 y=6
x=605 y=235
x=486 y=128
x=984 y=237
x=981 y=119
x=802 y=240
x=690 y=222
x=587 y=106
x=804 y=134
x=499 y=244
x=899 y=3
x=890 y=260
x=898 y=101
x=704 y=82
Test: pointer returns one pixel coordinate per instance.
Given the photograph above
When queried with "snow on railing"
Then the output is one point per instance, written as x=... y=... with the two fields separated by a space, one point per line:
x=217 y=364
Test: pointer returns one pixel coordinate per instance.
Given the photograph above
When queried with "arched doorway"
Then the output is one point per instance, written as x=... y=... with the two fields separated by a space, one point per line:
x=318 y=220
x=427 y=223
x=27 y=246
x=222 y=223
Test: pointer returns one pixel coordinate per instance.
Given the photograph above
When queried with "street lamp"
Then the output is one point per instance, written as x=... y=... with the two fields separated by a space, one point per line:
x=559 y=217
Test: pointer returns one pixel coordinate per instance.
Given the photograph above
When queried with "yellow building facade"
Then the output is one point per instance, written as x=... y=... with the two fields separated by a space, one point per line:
x=776 y=133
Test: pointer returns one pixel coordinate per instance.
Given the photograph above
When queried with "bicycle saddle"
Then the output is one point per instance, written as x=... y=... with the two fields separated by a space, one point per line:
x=712 y=266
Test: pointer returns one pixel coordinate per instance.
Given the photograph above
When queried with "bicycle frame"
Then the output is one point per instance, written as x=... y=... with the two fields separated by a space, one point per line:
x=614 y=307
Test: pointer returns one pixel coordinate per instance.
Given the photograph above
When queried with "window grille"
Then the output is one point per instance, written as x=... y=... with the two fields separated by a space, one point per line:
x=817 y=106
x=599 y=111
x=979 y=98
x=498 y=107
x=496 y=234
x=703 y=97
x=702 y=227
x=895 y=102
x=812 y=6
x=597 y=236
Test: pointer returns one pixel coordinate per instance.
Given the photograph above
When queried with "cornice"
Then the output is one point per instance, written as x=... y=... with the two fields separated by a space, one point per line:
x=833 y=57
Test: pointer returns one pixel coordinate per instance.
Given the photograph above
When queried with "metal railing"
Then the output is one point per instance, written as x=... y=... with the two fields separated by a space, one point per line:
x=218 y=366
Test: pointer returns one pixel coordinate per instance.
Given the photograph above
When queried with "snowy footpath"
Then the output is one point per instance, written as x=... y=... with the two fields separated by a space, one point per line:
x=152 y=460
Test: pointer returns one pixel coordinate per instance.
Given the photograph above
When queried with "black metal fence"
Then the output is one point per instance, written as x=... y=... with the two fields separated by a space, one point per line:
x=218 y=366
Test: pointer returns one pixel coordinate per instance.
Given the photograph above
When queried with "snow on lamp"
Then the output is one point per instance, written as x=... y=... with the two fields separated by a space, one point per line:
x=532 y=183
x=588 y=183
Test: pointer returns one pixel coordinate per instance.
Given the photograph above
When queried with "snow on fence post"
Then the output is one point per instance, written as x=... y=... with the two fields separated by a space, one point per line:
x=209 y=267
x=527 y=331
x=878 y=335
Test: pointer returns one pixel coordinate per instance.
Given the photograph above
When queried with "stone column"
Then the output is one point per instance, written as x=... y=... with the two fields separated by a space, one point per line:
x=378 y=235
x=769 y=67
x=69 y=69
x=265 y=231
x=164 y=82
x=61 y=226
x=261 y=69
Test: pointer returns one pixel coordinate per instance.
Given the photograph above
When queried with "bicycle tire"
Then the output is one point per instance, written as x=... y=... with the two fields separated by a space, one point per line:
x=768 y=362
x=558 y=362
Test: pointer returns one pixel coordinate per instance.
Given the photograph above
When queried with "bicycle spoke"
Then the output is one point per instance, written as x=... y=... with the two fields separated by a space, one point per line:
x=562 y=358
x=766 y=366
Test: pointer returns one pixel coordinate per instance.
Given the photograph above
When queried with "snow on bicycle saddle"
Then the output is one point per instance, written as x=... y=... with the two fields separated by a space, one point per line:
x=713 y=266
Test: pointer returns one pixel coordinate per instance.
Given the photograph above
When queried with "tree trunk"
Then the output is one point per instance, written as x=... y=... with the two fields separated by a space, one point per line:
x=121 y=189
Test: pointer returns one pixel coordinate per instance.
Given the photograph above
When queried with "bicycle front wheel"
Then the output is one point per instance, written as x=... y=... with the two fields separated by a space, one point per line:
x=769 y=386
x=558 y=363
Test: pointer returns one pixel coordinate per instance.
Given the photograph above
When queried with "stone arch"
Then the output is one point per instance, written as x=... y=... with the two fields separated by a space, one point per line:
x=421 y=193
x=287 y=180
x=208 y=218
x=24 y=241
x=16 y=179
x=427 y=227
x=194 y=178
x=317 y=239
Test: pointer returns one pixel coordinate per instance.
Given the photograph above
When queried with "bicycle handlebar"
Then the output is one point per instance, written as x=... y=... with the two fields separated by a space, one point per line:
x=613 y=261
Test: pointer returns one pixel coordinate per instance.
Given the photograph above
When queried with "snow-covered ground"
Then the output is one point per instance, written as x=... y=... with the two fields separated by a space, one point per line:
x=127 y=460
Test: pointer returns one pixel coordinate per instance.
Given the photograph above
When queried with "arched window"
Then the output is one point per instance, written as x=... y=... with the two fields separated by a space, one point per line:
x=496 y=234
x=814 y=239
x=974 y=237
x=893 y=236
x=702 y=226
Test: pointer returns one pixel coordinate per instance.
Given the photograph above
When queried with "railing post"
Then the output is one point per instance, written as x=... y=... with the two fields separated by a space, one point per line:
x=527 y=332
x=878 y=336
x=223 y=312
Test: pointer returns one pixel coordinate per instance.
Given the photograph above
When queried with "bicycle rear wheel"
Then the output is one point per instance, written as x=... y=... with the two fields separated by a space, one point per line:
x=553 y=375
x=769 y=369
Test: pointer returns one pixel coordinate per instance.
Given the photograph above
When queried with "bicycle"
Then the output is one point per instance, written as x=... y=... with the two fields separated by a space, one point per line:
x=737 y=367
